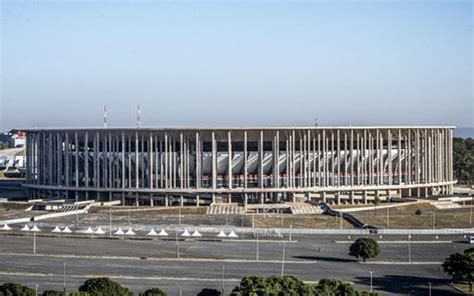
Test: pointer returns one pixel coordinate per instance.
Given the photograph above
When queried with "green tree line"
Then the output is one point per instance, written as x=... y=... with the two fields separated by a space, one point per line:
x=248 y=286
x=463 y=160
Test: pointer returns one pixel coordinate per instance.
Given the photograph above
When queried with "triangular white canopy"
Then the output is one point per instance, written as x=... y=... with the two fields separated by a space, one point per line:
x=99 y=231
x=152 y=233
x=35 y=228
x=185 y=233
x=221 y=234
x=66 y=230
x=130 y=232
x=6 y=227
x=89 y=230
x=119 y=232
x=56 y=229
x=196 y=233
x=163 y=233
x=25 y=228
x=232 y=234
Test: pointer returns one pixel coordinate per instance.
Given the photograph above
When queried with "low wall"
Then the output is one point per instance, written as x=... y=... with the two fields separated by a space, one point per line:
x=44 y=217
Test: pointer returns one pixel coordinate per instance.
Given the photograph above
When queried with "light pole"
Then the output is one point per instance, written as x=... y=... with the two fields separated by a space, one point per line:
x=371 y=285
x=291 y=228
x=470 y=212
x=34 y=243
x=36 y=289
x=110 y=222
x=35 y=229
x=257 y=254
x=64 y=278
x=340 y=220
x=179 y=215
x=409 y=248
x=388 y=217
x=429 y=289
x=223 y=273
x=283 y=260
x=177 y=246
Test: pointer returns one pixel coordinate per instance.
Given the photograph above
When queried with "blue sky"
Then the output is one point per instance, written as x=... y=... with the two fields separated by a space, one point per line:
x=236 y=63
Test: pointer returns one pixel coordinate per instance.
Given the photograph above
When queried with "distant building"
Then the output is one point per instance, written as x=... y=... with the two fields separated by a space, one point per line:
x=177 y=166
x=13 y=139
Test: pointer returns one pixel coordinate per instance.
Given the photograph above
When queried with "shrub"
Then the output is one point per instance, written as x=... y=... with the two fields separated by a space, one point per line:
x=104 y=287
x=337 y=287
x=209 y=292
x=153 y=292
x=13 y=289
x=287 y=285
x=53 y=293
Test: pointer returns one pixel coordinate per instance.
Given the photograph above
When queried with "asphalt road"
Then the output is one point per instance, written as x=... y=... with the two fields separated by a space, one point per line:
x=141 y=264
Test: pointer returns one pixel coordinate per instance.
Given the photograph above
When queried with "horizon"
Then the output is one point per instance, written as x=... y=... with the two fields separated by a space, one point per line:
x=236 y=64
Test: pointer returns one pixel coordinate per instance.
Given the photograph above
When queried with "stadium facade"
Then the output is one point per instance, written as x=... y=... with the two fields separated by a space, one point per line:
x=172 y=166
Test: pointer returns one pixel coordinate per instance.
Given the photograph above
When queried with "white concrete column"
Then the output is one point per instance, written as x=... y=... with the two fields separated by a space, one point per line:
x=338 y=157
x=229 y=160
x=214 y=161
x=399 y=157
x=245 y=164
x=389 y=156
x=351 y=161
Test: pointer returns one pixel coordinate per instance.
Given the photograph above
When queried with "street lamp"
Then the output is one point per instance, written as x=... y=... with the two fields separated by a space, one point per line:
x=177 y=246
x=257 y=254
x=371 y=285
x=35 y=229
x=470 y=212
x=64 y=278
x=110 y=221
x=283 y=260
x=223 y=274
x=409 y=248
x=291 y=228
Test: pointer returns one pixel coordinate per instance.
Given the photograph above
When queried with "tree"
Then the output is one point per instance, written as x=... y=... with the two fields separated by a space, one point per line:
x=104 y=287
x=76 y=293
x=209 y=292
x=463 y=160
x=13 y=289
x=364 y=248
x=53 y=293
x=259 y=286
x=460 y=266
x=153 y=292
x=338 y=288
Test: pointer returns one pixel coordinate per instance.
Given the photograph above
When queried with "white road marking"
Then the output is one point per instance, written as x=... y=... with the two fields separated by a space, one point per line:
x=402 y=262
x=115 y=276
x=157 y=258
x=401 y=242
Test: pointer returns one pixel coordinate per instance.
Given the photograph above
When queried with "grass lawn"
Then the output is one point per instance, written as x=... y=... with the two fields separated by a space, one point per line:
x=303 y=221
x=406 y=217
x=159 y=210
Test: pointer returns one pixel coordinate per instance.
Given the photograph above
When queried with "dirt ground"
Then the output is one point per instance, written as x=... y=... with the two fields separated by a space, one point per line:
x=409 y=217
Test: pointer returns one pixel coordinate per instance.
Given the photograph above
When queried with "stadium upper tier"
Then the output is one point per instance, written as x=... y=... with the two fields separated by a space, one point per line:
x=239 y=164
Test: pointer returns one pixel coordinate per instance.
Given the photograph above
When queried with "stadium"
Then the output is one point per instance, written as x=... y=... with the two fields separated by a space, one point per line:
x=201 y=166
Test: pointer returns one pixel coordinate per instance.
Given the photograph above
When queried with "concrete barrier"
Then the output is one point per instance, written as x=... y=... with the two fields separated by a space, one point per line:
x=44 y=217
